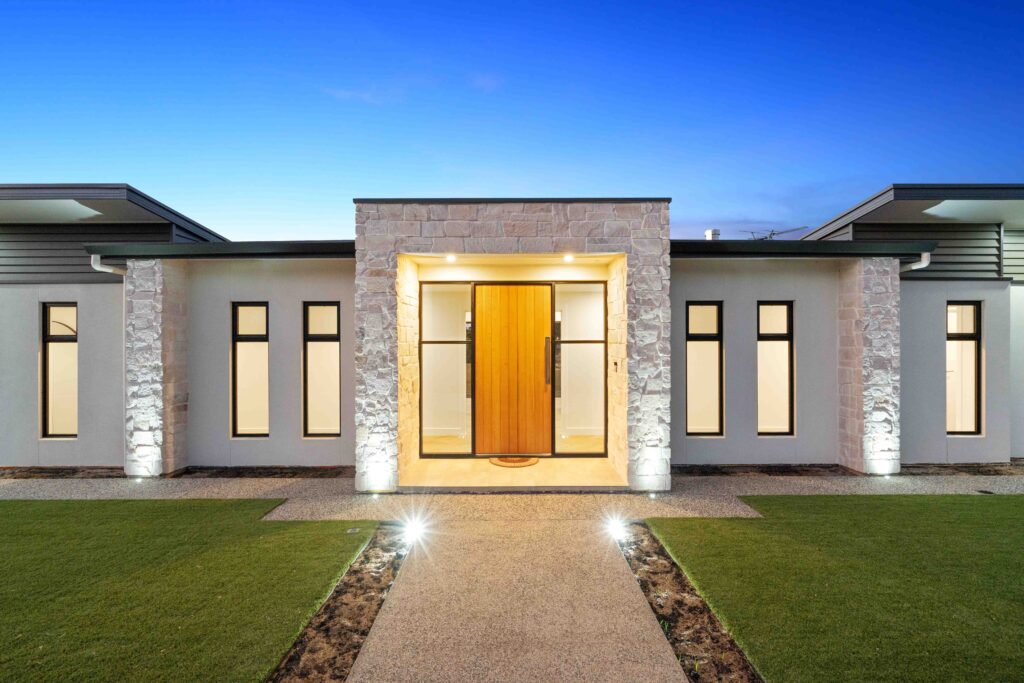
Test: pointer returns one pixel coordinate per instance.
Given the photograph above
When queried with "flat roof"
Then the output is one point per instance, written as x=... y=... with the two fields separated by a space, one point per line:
x=39 y=203
x=268 y=249
x=934 y=203
x=798 y=249
x=508 y=200
x=347 y=249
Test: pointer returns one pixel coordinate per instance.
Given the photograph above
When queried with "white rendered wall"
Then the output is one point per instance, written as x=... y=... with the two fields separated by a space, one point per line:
x=923 y=326
x=740 y=284
x=1017 y=372
x=285 y=284
x=100 y=439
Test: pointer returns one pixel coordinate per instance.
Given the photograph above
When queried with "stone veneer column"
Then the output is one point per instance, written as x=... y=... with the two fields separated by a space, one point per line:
x=638 y=229
x=156 y=366
x=869 y=366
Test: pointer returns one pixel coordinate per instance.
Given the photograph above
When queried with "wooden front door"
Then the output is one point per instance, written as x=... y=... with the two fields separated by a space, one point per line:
x=513 y=369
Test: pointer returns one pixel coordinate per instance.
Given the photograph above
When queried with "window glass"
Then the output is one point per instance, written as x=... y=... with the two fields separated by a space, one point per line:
x=252 y=320
x=62 y=389
x=322 y=320
x=702 y=319
x=961 y=386
x=960 y=318
x=773 y=387
x=703 y=387
x=447 y=406
x=323 y=388
x=579 y=311
x=63 y=320
x=252 y=388
x=445 y=311
x=579 y=398
x=773 y=319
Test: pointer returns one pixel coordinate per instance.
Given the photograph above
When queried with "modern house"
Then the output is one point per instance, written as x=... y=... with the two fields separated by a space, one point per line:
x=456 y=337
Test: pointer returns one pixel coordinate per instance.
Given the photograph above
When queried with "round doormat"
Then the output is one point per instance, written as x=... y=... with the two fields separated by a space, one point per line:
x=514 y=462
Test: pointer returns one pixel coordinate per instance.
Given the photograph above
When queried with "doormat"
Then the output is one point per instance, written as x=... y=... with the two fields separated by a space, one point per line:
x=514 y=462
x=328 y=646
x=705 y=650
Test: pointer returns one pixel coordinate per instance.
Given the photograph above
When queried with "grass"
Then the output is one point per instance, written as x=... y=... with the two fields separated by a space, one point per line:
x=159 y=589
x=882 y=588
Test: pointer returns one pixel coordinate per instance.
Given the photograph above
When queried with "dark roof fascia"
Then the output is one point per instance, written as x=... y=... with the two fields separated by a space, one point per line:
x=798 y=249
x=509 y=200
x=200 y=250
x=121 y=191
x=918 y=191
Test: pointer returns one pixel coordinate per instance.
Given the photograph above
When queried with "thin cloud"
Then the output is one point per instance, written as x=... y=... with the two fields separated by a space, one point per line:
x=364 y=96
x=485 y=82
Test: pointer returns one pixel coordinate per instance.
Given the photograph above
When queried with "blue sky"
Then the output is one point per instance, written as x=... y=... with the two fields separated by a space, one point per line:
x=262 y=120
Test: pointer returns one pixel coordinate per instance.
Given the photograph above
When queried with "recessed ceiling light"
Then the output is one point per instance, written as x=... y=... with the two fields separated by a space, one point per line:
x=568 y=258
x=450 y=258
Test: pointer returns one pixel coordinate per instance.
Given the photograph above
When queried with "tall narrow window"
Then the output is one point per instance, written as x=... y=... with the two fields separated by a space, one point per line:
x=963 y=367
x=704 y=394
x=60 y=371
x=250 y=370
x=321 y=369
x=446 y=369
x=775 y=368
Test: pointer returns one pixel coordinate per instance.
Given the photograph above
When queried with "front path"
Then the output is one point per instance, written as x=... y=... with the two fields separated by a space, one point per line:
x=516 y=601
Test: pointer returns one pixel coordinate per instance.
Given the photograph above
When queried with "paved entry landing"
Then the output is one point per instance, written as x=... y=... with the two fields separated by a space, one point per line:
x=516 y=601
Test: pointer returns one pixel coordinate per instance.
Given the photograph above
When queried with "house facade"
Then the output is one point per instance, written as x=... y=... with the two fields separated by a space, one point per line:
x=510 y=342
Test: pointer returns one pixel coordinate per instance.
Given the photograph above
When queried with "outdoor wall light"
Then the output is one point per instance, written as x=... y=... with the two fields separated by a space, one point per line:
x=568 y=258
x=450 y=258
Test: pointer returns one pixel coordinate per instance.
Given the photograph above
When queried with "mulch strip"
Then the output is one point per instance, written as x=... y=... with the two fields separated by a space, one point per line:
x=335 y=472
x=328 y=646
x=763 y=470
x=62 y=473
x=704 y=648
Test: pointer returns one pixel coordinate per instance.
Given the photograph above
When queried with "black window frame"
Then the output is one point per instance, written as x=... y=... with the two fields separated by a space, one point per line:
x=308 y=337
x=235 y=339
x=719 y=337
x=48 y=339
x=976 y=338
x=788 y=337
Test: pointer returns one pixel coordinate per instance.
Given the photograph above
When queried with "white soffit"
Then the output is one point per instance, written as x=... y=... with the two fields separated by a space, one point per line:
x=29 y=211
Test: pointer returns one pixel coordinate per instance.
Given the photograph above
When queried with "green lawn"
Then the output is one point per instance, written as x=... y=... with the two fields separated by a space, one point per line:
x=875 y=588
x=159 y=589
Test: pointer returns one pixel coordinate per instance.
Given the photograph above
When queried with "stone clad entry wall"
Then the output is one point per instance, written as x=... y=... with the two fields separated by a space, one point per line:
x=386 y=228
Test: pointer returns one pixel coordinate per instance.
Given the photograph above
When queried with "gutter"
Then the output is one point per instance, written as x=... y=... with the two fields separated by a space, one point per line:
x=96 y=261
x=923 y=262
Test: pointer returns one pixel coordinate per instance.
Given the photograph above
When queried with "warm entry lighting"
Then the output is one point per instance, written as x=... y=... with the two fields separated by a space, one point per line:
x=568 y=258
x=450 y=258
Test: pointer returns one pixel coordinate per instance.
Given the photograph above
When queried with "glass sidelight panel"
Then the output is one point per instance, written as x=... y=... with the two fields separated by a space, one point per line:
x=579 y=367
x=579 y=398
x=446 y=369
x=447 y=405
x=445 y=312
x=579 y=311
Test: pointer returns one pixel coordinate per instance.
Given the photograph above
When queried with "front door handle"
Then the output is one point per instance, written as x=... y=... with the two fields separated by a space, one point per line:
x=547 y=360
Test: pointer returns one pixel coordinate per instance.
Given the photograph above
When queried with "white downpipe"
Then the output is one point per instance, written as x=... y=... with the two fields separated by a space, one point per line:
x=96 y=261
x=923 y=262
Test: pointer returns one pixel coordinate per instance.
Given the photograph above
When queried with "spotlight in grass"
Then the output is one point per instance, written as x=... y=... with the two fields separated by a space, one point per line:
x=616 y=527
x=414 y=529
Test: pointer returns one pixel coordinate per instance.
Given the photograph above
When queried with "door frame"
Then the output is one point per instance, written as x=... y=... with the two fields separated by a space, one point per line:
x=471 y=350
